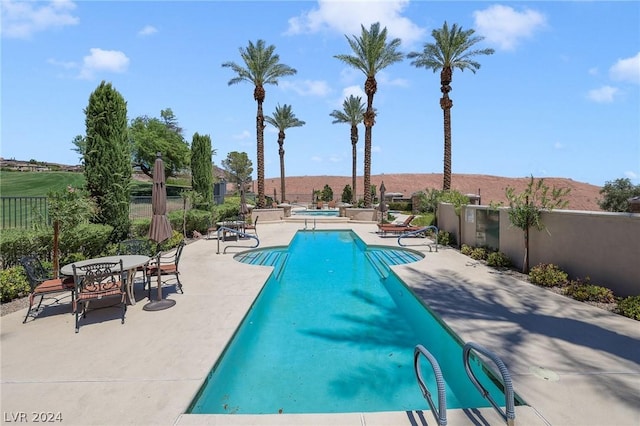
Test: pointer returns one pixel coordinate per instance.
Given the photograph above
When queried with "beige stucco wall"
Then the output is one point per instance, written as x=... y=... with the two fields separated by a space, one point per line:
x=602 y=246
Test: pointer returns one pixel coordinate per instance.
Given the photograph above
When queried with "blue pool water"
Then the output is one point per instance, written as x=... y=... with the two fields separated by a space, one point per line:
x=333 y=330
x=315 y=212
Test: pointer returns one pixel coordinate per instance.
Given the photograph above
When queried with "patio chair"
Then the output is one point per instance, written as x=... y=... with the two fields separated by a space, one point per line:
x=42 y=283
x=165 y=264
x=95 y=282
x=252 y=226
x=137 y=246
x=406 y=222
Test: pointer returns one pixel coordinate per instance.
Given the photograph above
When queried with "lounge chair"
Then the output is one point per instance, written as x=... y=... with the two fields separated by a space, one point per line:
x=406 y=222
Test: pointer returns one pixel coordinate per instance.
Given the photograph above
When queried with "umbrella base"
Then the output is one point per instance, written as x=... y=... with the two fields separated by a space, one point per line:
x=159 y=305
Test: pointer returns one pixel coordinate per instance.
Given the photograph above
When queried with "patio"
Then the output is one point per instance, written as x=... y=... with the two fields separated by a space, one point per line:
x=146 y=371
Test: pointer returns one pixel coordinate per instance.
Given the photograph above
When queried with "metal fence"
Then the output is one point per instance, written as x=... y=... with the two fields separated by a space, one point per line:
x=25 y=212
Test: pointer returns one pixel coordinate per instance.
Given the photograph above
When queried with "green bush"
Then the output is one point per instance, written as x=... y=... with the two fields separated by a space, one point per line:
x=13 y=283
x=497 y=259
x=445 y=238
x=585 y=292
x=547 y=275
x=466 y=250
x=140 y=227
x=426 y=219
x=478 y=253
x=402 y=206
x=630 y=307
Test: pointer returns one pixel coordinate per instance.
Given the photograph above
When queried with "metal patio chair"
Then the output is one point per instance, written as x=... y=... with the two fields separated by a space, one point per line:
x=165 y=264
x=42 y=283
x=98 y=281
x=137 y=246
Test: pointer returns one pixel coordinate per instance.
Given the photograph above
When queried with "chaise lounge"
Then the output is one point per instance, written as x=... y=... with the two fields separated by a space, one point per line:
x=397 y=228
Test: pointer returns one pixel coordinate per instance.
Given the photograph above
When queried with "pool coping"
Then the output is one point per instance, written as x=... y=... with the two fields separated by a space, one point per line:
x=152 y=366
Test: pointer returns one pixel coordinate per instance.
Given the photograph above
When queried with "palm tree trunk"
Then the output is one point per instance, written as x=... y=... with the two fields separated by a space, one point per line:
x=370 y=87
x=281 y=137
x=260 y=146
x=446 y=104
x=354 y=166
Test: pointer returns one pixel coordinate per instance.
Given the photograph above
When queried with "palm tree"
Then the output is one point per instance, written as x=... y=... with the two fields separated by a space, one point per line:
x=352 y=112
x=262 y=67
x=283 y=119
x=450 y=50
x=372 y=53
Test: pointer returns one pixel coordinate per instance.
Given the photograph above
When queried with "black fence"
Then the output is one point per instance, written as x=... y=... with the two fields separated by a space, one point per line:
x=27 y=212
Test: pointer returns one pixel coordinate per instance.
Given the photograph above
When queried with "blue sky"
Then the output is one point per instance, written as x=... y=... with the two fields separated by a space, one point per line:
x=559 y=98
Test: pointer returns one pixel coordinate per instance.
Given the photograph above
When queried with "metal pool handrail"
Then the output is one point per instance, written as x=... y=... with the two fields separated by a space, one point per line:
x=418 y=231
x=510 y=414
x=441 y=417
x=239 y=234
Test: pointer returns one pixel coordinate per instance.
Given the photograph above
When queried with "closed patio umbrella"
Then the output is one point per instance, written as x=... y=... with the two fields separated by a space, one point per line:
x=244 y=209
x=160 y=229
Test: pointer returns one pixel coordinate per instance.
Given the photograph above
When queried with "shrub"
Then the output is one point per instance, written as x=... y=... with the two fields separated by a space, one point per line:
x=547 y=275
x=478 y=253
x=13 y=283
x=466 y=249
x=497 y=259
x=630 y=307
x=585 y=292
x=445 y=238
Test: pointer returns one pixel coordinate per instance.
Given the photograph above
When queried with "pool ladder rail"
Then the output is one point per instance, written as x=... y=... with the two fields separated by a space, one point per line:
x=240 y=234
x=314 y=224
x=418 y=232
x=440 y=412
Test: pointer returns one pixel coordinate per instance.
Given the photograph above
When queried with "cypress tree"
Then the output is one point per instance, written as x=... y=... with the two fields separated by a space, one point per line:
x=202 y=169
x=107 y=159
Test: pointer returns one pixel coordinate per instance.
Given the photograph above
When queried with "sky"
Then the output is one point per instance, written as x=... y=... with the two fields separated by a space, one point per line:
x=560 y=97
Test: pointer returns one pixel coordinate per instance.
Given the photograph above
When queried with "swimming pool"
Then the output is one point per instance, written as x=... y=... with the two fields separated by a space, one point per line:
x=333 y=330
x=315 y=212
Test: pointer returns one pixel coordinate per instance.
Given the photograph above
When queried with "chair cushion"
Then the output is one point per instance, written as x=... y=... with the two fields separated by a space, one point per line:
x=99 y=295
x=56 y=284
x=164 y=269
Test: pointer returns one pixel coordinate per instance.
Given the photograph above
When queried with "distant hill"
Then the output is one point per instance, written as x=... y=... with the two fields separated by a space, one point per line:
x=583 y=196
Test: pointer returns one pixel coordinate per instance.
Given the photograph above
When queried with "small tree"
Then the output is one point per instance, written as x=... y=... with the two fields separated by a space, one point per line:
x=617 y=194
x=525 y=209
x=67 y=209
x=238 y=168
x=107 y=160
x=347 y=194
x=202 y=170
x=327 y=193
x=457 y=199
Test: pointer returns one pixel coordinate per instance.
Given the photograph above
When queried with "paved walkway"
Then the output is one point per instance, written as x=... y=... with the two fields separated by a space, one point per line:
x=573 y=364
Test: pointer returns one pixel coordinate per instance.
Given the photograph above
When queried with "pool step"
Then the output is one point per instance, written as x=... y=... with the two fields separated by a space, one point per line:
x=267 y=257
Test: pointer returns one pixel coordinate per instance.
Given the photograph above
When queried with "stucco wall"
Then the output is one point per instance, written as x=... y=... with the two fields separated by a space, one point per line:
x=602 y=246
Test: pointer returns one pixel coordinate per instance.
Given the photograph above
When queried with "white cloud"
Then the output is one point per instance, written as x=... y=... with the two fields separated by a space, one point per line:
x=335 y=159
x=147 y=30
x=348 y=91
x=505 y=27
x=605 y=94
x=345 y=17
x=626 y=70
x=21 y=19
x=306 y=87
x=631 y=175
x=316 y=159
x=593 y=71
x=558 y=146
x=103 y=60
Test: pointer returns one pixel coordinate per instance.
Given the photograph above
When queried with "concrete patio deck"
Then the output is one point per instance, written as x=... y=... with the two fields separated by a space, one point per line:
x=572 y=363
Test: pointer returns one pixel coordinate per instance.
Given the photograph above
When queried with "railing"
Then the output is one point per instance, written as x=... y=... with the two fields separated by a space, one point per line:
x=510 y=415
x=23 y=212
x=441 y=416
x=416 y=232
x=240 y=234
